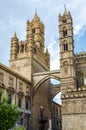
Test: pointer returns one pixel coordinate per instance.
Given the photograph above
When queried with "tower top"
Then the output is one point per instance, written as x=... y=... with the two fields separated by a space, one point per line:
x=65 y=10
x=15 y=34
x=36 y=18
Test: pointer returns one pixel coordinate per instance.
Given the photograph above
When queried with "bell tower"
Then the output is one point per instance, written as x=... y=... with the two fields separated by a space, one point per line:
x=66 y=51
x=28 y=56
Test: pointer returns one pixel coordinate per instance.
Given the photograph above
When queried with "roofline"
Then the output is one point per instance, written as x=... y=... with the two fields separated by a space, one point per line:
x=9 y=70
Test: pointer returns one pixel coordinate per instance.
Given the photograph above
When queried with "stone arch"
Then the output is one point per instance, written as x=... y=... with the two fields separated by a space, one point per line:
x=42 y=81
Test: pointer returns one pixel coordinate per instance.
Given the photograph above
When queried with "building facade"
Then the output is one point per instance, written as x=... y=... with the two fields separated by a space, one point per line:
x=73 y=71
x=17 y=88
x=56 y=116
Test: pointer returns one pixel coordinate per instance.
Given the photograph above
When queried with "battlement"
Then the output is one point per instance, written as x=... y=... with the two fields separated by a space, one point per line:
x=75 y=93
x=80 y=58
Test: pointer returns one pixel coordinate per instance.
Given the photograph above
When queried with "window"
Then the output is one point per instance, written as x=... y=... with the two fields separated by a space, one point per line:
x=26 y=104
x=65 y=46
x=64 y=32
x=22 y=48
x=1 y=77
x=57 y=111
x=65 y=63
x=9 y=98
x=33 y=30
x=10 y=81
x=20 y=86
x=27 y=89
x=64 y=21
x=18 y=48
x=19 y=102
x=53 y=110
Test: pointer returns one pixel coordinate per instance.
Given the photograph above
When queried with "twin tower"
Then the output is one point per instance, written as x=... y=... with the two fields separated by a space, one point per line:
x=28 y=57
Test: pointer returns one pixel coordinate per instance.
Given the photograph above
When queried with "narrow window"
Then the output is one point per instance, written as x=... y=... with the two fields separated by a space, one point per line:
x=9 y=98
x=33 y=30
x=57 y=111
x=26 y=104
x=20 y=86
x=22 y=48
x=64 y=32
x=19 y=102
x=10 y=81
x=66 y=47
x=18 y=49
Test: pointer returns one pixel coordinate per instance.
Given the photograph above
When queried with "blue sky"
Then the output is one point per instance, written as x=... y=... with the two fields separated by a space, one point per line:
x=14 y=14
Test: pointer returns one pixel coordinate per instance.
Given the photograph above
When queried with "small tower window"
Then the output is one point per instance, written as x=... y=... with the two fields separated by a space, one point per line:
x=65 y=46
x=18 y=49
x=64 y=21
x=64 y=32
x=22 y=48
x=33 y=30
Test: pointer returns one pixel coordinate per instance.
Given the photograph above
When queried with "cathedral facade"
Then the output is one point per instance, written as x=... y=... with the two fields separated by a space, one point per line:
x=27 y=79
x=73 y=71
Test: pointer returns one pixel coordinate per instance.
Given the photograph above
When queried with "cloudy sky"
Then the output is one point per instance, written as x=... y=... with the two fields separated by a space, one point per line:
x=14 y=14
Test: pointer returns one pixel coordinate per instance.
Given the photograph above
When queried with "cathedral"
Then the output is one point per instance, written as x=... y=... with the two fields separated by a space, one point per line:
x=27 y=80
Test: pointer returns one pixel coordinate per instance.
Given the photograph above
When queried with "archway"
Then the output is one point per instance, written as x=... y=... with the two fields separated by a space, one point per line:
x=42 y=96
x=48 y=77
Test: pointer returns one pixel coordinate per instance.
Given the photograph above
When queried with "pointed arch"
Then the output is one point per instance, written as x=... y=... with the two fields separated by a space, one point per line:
x=65 y=46
x=64 y=31
x=42 y=81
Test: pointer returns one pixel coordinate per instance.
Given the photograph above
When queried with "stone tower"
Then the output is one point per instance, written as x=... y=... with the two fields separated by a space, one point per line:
x=66 y=51
x=28 y=57
x=73 y=69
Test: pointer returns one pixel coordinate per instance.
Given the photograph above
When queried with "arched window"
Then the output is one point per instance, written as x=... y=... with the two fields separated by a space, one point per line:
x=18 y=49
x=64 y=32
x=65 y=63
x=65 y=47
x=22 y=48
